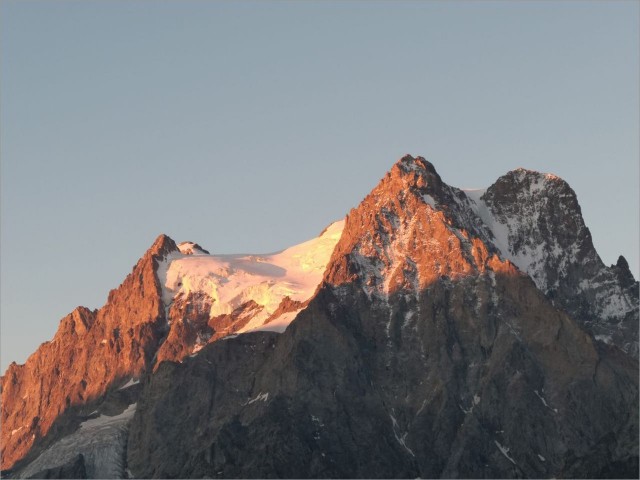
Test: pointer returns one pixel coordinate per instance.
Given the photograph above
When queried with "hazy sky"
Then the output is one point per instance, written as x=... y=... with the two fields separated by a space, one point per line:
x=248 y=127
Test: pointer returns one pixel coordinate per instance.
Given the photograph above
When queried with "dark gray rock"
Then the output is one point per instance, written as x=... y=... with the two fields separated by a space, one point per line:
x=485 y=379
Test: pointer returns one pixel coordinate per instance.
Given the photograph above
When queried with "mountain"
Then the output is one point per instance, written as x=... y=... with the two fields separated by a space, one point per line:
x=537 y=223
x=176 y=300
x=435 y=332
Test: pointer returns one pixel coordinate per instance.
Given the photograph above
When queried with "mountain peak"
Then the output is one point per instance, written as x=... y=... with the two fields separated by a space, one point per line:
x=408 y=163
x=410 y=231
x=533 y=178
x=621 y=268
x=417 y=172
x=537 y=224
x=622 y=263
x=162 y=245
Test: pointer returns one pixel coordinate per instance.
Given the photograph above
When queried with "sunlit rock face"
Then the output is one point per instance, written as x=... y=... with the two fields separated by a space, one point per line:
x=435 y=332
x=91 y=352
x=410 y=231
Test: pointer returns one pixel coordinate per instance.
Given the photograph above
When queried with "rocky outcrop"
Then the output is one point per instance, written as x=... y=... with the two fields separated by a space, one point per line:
x=90 y=352
x=191 y=327
x=188 y=327
x=229 y=323
x=287 y=305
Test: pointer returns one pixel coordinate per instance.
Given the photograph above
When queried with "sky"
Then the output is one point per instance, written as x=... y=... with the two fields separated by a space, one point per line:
x=250 y=126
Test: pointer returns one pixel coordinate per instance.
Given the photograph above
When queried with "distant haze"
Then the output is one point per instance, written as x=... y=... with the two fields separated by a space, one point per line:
x=250 y=126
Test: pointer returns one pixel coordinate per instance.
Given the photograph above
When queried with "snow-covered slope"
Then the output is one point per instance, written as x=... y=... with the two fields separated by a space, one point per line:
x=230 y=281
x=101 y=441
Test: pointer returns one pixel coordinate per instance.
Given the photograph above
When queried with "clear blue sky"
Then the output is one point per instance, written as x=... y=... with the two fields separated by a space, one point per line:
x=248 y=127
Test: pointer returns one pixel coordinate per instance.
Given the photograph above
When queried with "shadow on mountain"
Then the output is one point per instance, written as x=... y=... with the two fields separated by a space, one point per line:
x=477 y=378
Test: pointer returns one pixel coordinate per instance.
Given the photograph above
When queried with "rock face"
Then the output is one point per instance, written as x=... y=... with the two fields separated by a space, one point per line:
x=451 y=334
x=91 y=351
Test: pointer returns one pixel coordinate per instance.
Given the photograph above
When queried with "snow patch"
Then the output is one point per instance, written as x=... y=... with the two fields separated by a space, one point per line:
x=604 y=338
x=424 y=404
x=261 y=397
x=232 y=280
x=505 y=452
x=429 y=200
x=474 y=402
x=400 y=439
x=544 y=402
x=407 y=317
x=130 y=383
x=317 y=421
x=102 y=441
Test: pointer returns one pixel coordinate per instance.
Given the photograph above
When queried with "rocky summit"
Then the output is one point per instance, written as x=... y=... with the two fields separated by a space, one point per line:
x=434 y=332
